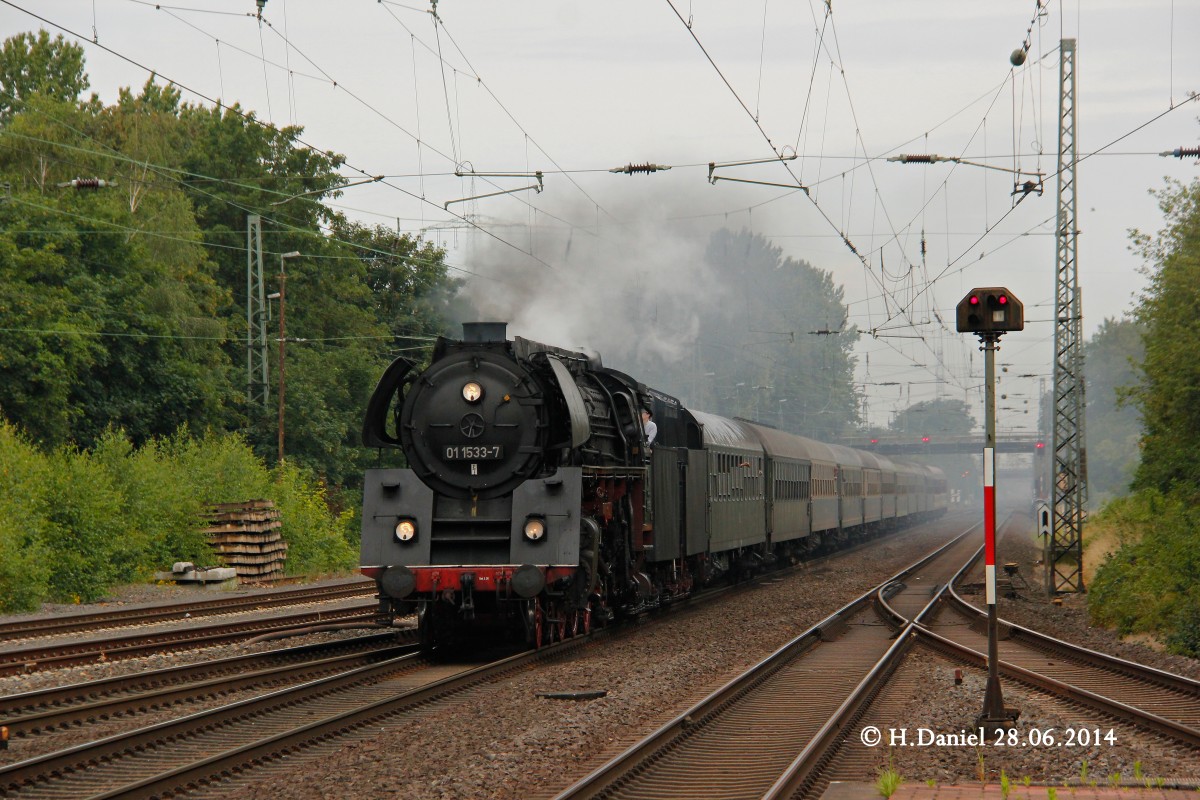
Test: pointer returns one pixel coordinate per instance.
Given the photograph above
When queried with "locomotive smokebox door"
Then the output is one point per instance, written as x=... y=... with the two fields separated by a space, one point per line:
x=990 y=310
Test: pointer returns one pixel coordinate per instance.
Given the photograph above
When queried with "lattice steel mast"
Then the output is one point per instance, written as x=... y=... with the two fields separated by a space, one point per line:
x=257 y=384
x=1064 y=571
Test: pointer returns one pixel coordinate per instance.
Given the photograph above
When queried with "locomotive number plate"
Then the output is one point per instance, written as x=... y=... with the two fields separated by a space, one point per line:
x=474 y=452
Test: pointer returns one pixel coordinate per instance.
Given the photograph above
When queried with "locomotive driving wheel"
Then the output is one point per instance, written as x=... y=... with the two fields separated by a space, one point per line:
x=560 y=623
x=539 y=621
x=581 y=621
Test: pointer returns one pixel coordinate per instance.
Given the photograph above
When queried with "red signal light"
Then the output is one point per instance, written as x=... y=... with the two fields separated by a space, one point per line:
x=874 y=441
x=1040 y=445
x=925 y=439
x=974 y=299
x=1003 y=299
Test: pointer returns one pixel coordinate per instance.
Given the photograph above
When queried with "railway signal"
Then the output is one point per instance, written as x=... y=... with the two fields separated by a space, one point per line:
x=991 y=310
x=989 y=313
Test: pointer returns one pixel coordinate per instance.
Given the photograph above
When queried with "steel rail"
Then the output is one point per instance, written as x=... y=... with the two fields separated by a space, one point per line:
x=1038 y=643
x=66 y=623
x=116 y=698
x=168 y=737
x=805 y=768
x=17 y=661
x=1036 y=639
x=608 y=777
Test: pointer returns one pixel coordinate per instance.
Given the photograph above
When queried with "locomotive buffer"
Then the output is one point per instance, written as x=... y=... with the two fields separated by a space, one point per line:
x=989 y=313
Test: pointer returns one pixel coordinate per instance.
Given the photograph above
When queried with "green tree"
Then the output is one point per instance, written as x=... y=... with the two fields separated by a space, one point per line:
x=414 y=295
x=38 y=65
x=776 y=346
x=1169 y=394
x=117 y=325
x=47 y=347
x=388 y=294
x=126 y=305
x=1113 y=356
x=1150 y=583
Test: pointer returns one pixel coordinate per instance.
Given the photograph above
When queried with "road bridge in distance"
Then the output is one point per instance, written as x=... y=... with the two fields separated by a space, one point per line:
x=1035 y=444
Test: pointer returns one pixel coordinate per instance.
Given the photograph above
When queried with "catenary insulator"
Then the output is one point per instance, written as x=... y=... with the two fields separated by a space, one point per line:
x=631 y=169
x=86 y=183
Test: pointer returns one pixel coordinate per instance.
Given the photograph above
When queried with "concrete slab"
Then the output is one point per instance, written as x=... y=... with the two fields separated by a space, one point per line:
x=216 y=578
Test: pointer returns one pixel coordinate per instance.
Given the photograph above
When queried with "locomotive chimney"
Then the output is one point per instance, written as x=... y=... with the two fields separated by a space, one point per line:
x=478 y=332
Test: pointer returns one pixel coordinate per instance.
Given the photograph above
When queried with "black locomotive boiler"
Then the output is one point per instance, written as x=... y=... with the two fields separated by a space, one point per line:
x=532 y=504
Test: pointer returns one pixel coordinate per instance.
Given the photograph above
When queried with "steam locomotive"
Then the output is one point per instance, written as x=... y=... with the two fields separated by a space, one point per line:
x=532 y=504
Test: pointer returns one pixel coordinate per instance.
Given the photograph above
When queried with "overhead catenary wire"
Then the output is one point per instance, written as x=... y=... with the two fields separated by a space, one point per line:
x=169 y=235
x=251 y=119
x=845 y=239
x=779 y=154
x=874 y=249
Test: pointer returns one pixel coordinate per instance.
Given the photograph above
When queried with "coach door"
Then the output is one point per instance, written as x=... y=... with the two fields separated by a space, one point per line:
x=695 y=501
x=667 y=474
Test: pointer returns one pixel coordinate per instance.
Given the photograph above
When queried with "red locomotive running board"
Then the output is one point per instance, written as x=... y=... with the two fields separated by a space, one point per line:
x=430 y=580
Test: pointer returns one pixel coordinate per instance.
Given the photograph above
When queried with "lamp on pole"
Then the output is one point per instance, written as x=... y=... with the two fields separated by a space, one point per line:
x=282 y=337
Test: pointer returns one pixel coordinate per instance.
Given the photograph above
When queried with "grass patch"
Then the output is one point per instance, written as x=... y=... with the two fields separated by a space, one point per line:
x=889 y=781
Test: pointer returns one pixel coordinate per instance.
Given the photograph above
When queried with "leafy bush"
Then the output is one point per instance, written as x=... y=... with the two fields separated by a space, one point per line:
x=1184 y=637
x=221 y=468
x=160 y=505
x=1152 y=583
x=73 y=523
x=86 y=535
x=24 y=565
x=316 y=539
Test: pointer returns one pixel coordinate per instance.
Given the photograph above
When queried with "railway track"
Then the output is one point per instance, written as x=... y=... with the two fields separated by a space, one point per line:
x=774 y=731
x=129 y=696
x=214 y=744
x=1154 y=698
x=258 y=733
x=1121 y=691
x=743 y=739
x=15 y=661
x=120 y=617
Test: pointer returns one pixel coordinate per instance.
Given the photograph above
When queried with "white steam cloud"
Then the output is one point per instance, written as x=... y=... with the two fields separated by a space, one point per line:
x=633 y=290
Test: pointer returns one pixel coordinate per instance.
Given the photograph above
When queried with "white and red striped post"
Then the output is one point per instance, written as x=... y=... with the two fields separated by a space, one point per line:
x=994 y=715
x=989 y=525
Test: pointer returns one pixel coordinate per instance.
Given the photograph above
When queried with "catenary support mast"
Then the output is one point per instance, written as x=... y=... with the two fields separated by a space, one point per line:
x=257 y=383
x=1064 y=557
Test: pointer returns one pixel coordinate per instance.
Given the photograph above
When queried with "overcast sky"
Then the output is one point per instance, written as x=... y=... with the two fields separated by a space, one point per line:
x=574 y=89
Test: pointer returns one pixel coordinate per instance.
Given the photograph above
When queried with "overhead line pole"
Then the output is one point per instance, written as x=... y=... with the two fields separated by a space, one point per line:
x=257 y=383
x=1064 y=559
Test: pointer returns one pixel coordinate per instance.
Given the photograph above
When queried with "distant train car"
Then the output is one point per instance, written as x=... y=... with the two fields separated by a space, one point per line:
x=532 y=504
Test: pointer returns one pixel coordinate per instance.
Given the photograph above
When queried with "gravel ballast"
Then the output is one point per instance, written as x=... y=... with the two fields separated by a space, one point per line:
x=505 y=741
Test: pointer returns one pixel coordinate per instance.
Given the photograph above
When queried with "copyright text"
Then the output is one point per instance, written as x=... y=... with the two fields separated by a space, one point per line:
x=872 y=736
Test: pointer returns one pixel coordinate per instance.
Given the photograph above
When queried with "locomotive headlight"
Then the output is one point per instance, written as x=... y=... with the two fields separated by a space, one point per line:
x=406 y=530
x=535 y=529
x=472 y=392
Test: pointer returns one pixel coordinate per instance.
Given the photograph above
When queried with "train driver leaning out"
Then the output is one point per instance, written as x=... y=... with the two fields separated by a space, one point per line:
x=649 y=426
